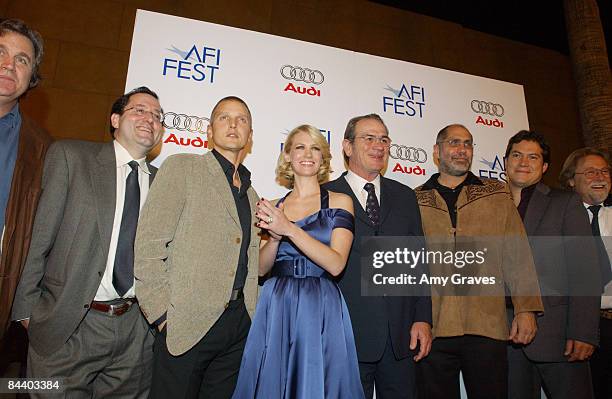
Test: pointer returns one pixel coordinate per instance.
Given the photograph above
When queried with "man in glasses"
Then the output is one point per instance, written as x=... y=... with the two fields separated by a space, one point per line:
x=566 y=262
x=587 y=172
x=471 y=330
x=76 y=295
x=391 y=333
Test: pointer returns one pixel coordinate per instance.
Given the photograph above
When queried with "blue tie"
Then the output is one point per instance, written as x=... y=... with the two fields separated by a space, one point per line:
x=372 y=206
x=123 y=270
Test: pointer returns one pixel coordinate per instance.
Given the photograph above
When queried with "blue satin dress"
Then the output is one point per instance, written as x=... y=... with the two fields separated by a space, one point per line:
x=301 y=343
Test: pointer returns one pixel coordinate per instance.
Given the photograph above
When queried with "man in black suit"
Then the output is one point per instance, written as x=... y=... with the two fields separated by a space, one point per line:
x=567 y=271
x=387 y=329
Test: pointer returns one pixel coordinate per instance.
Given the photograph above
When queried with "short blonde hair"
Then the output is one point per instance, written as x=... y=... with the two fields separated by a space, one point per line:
x=284 y=173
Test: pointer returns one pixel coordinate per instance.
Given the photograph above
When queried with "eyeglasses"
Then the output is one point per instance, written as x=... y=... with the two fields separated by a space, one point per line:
x=454 y=143
x=591 y=173
x=370 y=139
x=142 y=112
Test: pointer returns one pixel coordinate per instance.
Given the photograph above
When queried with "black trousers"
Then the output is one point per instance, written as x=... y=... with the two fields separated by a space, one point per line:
x=601 y=362
x=209 y=370
x=481 y=360
x=394 y=379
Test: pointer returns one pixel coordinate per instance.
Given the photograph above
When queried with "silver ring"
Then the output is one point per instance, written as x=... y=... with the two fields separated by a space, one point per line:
x=270 y=220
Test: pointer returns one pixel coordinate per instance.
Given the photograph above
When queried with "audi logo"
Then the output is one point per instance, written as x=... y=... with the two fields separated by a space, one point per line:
x=487 y=108
x=185 y=123
x=300 y=74
x=405 y=153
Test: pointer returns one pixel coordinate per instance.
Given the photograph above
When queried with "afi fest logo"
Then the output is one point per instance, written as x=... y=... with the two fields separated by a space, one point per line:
x=184 y=123
x=303 y=80
x=494 y=169
x=489 y=113
x=408 y=100
x=200 y=64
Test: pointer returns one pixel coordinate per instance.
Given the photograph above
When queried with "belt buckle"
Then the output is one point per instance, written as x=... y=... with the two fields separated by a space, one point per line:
x=300 y=268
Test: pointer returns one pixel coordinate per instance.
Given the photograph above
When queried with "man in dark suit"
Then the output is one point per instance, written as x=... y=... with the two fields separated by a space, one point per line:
x=567 y=271
x=76 y=294
x=22 y=150
x=387 y=329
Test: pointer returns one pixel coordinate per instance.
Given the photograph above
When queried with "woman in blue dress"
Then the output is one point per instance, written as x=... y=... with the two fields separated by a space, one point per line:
x=301 y=343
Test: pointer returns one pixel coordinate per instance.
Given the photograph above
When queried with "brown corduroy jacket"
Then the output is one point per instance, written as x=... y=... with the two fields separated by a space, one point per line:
x=20 y=211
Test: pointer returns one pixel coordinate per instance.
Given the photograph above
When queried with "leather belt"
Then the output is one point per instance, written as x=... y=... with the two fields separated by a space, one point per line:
x=606 y=313
x=113 y=309
x=300 y=267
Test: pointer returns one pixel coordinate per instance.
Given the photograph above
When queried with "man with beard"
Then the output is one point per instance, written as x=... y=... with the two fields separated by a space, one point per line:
x=587 y=171
x=471 y=331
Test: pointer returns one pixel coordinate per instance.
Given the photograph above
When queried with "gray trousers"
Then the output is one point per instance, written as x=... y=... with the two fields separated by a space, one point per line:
x=106 y=357
x=562 y=380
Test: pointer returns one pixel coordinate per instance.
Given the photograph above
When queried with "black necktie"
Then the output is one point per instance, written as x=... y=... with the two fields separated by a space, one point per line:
x=372 y=206
x=604 y=261
x=123 y=270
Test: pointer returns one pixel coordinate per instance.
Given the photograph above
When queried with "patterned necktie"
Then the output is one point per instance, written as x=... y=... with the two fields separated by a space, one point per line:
x=606 y=272
x=372 y=206
x=123 y=270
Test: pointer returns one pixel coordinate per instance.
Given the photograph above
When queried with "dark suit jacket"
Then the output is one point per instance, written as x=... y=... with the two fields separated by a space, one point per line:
x=565 y=272
x=20 y=211
x=70 y=241
x=400 y=216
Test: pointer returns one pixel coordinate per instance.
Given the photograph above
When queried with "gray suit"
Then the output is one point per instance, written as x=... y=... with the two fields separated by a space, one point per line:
x=566 y=273
x=70 y=244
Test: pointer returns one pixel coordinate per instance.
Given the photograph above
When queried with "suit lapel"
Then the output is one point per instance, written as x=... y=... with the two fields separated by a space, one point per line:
x=536 y=208
x=344 y=187
x=221 y=186
x=385 y=199
x=104 y=183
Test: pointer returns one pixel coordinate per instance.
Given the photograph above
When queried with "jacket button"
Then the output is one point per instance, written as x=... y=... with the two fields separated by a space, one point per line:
x=232 y=273
x=237 y=240
x=86 y=306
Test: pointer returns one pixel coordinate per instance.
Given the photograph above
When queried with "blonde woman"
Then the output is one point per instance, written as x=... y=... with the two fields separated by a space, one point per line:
x=301 y=343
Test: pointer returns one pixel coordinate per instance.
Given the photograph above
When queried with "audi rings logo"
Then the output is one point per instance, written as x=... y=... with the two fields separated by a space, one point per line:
x=300 y=74
x=487 y=108
x=405 y=153
x=185 y=123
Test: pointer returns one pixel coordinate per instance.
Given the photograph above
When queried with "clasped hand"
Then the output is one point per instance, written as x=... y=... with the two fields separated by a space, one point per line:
x=273 y=219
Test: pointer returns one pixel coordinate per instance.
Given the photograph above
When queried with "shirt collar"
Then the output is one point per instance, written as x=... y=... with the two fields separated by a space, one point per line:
x=357 y=182
x=470 y=180
x=13 y=117
x=228 y=170
x=123 y=157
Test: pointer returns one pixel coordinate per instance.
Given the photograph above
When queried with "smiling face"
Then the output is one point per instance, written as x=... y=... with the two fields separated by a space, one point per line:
x=305 y=155
x=16 y=67
x=138 y=133
x=367 y=154
x=454 y=160
x=593 y=190
x=525 y=164
x=230 y=127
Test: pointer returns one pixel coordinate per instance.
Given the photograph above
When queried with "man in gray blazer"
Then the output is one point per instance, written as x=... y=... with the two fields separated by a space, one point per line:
x=566 y=261
x=76 y=294
x=197 y=253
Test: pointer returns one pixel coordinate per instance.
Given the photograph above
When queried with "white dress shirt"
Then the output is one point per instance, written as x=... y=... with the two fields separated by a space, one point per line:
x=357 y=182
x=605 y=228
x=106 y=290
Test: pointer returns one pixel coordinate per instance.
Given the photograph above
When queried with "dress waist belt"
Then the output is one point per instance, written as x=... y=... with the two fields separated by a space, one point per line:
x=299 y=268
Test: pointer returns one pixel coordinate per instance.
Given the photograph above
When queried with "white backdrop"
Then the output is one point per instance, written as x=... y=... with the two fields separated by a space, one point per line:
x=192 y=64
